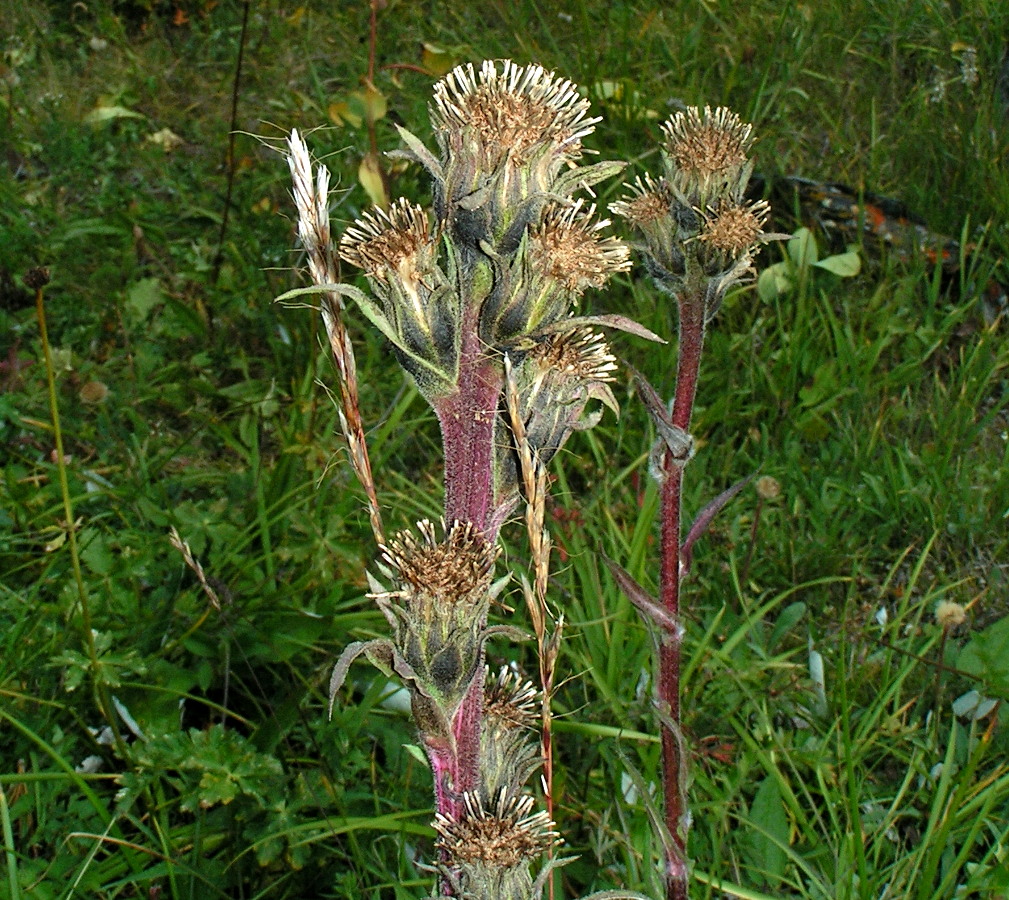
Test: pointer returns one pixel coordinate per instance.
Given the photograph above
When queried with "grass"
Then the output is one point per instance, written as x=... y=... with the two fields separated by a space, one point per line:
x=827 y=758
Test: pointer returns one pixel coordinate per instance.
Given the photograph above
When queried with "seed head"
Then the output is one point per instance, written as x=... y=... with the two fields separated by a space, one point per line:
x=649 y=202
x=949 y=614
x=703 y=145
x=508 y=114
x=768 y=487
x=390 y=244
x=567 y=247
x=509 y=701
x=456 y=571
x=580 y=355
x=501 y=834
x=733 y=230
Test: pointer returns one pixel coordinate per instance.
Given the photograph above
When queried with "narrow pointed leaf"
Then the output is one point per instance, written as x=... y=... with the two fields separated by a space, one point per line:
x=586 y=176
x=678 y=442
x=704 y=519
x=350 y=653
x=652 y=612
x=345 y=290
x=621 y=323
x=421 y=153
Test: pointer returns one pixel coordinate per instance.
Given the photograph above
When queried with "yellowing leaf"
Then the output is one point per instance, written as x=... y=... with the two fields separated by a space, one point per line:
x=340 y=113
x=166 y=139
x=102 y=114
x=369 y=173
x=296 y=17
x=374 y=102
x=436 y=60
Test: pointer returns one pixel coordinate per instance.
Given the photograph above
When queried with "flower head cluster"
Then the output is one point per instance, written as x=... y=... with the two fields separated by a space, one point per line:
x=700 y=234
x=509 y=251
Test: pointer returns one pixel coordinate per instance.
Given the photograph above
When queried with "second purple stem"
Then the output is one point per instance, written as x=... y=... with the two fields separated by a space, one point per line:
x=691 y=332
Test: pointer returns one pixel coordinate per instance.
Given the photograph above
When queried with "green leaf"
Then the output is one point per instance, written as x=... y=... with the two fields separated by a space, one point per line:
x=845 y=265
x=802 y=248
x=986 y=658
x=770 y=835
x=774 y=281
x=419 y=152
x=789 y=617
x=142 y=297
x=586 y=176
x=96 y=554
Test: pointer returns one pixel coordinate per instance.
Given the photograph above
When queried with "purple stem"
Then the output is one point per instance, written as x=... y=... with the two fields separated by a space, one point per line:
x=467 y=429
x=467 y=419
x=691 y=329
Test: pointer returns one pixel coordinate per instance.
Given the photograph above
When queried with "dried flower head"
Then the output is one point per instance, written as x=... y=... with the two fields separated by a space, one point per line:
x=509 y=114
x=580 y=355
x=393 y=244
x=706 y=149
x=768 y=487
x=456 y=571
x=509 y=136
x=509 y=701
x=733 y=230
x=567 y=247
x=500 y=834
x=508 y=753
x=949 y=614
x=648 y=203
x=419 y=305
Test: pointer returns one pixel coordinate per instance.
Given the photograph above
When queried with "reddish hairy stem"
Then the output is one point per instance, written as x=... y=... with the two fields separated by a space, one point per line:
x=467 y=420
x=467 y=428
x=691 y=328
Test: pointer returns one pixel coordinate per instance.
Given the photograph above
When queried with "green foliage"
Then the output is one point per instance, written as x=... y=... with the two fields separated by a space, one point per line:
x=831 y=758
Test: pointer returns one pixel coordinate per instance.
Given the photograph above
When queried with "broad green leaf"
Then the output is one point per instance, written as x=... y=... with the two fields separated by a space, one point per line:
x=845 y=265
x=986 y=657
x=802 y=248
x=142 y=297
x=774 y=281
x=769 y=837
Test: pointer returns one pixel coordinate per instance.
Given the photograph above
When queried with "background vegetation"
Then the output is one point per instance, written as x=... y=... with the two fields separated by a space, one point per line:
x=837 y=750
